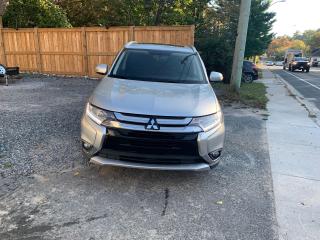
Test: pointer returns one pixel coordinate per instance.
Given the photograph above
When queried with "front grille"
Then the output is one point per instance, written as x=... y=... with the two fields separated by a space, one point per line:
x=302 y=64
x=151 y=147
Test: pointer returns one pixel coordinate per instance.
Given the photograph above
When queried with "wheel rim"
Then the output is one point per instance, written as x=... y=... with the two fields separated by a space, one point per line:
x=2 y=70
x=247 y=78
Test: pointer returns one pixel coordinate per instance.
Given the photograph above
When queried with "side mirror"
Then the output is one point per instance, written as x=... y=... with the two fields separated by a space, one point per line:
x=102 y=69
x=216 y=77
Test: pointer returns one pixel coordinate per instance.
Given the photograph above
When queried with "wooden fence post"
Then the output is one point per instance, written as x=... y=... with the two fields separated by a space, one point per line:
x=84 y=52
x=132 y=33
x=3 y=51
x=37 y=48
x=192 y=35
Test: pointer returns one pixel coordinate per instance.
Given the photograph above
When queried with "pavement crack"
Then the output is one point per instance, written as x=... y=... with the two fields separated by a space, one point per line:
x=166 y=197
x=97 y=217
x=70 y=223
x=295 y=176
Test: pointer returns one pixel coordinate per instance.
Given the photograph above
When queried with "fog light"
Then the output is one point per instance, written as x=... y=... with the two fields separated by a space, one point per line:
x=214 y=155
x=87 y=146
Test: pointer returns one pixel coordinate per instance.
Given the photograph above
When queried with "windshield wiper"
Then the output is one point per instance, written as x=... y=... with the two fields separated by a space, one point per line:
x=186 y=57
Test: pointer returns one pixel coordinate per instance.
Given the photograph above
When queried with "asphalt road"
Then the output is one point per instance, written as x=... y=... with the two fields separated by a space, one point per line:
x=55 y=197
x=308 y=84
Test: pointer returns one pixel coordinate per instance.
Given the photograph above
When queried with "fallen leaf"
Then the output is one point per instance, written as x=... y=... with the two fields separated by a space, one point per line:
x=219 y=202
x=77 y=173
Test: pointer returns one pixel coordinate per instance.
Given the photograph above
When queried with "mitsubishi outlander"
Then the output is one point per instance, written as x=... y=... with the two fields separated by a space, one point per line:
x=154 y=109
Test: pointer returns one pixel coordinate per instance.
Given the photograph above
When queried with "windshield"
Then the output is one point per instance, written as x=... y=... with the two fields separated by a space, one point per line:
x=158 y=66
x=300 y=59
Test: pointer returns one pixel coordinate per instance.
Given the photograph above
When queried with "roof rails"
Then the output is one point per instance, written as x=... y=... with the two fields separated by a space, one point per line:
x=129 y=43
x=192 y=48
x=186 y=46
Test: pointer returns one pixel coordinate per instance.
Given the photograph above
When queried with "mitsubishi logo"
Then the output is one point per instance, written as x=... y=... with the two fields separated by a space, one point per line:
x=152 y=124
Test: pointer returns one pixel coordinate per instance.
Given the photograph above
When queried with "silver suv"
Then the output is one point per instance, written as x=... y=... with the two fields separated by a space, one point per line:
x=154 y=109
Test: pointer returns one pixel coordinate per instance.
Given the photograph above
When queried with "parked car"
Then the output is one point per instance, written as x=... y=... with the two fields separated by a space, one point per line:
x=300 y=63
x=269 y=63
x=250 y=72
x=314 y=61
x=279 y=63
x=154 y=109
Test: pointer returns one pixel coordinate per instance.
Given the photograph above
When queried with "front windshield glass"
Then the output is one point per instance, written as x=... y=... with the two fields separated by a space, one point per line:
x=300 y=59
x=158 y=66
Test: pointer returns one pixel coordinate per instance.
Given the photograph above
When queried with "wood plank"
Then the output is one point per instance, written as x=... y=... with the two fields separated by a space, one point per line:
x=85 y=52
x=37 y=48
x=2 y=46
x=78 y=50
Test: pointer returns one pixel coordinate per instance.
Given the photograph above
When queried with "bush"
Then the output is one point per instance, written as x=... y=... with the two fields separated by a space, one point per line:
x=34 y=13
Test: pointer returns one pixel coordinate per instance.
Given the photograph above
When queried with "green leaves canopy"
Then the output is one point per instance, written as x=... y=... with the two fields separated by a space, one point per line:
x=31 y=13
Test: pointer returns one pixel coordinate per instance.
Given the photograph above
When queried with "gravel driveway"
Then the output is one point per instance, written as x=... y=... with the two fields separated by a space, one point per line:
x=46 y=193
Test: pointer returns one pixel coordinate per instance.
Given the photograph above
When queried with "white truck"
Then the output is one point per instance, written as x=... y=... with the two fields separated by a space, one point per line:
x=294 y=60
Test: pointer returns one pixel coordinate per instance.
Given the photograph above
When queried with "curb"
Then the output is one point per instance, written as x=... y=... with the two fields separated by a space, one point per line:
x=313 y=112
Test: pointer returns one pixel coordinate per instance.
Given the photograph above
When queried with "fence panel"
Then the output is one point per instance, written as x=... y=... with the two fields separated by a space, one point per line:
x=104 y=44
x=61 y=51
x=77 y=51
x=19 y=49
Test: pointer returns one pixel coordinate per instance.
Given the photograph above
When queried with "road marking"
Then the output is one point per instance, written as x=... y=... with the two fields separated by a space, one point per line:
x=303 y=80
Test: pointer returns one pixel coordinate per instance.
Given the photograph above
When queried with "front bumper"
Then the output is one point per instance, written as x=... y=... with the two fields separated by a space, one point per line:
x=173 y=167
x=96 y=136
x=300 y=66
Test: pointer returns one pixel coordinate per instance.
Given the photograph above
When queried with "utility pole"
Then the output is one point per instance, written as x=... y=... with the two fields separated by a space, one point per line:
x=240 y=45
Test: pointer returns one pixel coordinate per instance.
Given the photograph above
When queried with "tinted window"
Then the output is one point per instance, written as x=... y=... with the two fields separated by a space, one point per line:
x=158 y=66
x=300 y=59
x=246 y=63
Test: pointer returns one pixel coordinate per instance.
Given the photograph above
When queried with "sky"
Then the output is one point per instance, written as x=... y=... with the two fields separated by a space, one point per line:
x=296 y=15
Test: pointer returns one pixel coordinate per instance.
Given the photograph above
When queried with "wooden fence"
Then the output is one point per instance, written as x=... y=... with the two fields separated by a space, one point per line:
x=76 y=51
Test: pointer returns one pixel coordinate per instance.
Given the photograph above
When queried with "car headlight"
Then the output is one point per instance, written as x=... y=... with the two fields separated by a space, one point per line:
x=99 y=115
x=209 y=122
x=308 y=63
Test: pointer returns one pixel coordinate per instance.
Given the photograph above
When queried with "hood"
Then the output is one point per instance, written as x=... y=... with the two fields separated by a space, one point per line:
x=155 y=98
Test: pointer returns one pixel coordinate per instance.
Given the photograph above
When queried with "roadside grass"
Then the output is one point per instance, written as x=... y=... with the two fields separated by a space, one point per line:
x=251 y=94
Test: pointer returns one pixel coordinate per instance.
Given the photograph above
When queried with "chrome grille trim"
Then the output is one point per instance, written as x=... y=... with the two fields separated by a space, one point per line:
x=144 y=119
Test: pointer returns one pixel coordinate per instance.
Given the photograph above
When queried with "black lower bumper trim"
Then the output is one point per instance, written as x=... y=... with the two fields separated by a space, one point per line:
x=151 y=147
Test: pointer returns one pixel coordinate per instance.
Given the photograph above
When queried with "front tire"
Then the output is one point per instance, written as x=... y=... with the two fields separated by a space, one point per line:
x=85 y=157
x=247 y=78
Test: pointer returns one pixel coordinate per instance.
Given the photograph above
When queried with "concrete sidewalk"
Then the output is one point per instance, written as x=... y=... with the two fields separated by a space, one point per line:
x=294 y=147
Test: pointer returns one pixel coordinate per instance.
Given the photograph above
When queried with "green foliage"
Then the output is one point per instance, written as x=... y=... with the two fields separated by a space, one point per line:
x=280 y=45
x=133 y=12
x=259 y=30
x=310 y=37
x=215 y=39
x=31 y=13
x=314 y=41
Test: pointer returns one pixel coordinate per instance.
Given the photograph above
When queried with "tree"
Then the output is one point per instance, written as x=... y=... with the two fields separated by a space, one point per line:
x=3 y=5
x=259 y=29
x=133 y=12
x=314 y=41
x=280 y=45
x=215 y=39
x=31 y=13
